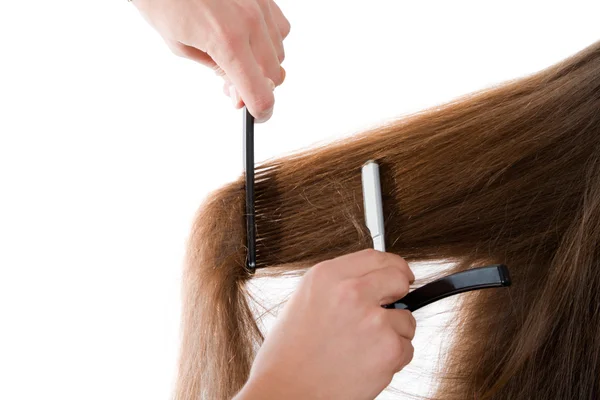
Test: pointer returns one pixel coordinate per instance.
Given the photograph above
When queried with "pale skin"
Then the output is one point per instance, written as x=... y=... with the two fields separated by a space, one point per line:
x=241 y=40
x=333 y=340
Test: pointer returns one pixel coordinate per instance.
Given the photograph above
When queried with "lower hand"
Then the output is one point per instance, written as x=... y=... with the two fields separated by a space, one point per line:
x=333 y=340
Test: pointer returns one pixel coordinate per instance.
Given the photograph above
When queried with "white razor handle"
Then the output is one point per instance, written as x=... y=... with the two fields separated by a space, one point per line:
x=373 y=203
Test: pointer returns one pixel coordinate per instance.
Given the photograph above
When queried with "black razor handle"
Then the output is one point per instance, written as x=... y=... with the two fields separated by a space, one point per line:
x=491 y=276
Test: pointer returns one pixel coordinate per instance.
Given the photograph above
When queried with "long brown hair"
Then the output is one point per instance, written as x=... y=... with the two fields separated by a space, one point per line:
x=509 y=175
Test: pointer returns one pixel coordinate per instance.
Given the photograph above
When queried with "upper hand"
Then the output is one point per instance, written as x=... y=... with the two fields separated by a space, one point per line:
x=241 y=40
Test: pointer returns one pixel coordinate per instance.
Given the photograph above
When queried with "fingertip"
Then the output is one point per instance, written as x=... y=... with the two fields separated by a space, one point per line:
x=258 y=97
x=414 y=321
x=283 y=74
x=279 y=77
x=233 y=94
x=265 y=116
x=406 y=267
x=266 y=112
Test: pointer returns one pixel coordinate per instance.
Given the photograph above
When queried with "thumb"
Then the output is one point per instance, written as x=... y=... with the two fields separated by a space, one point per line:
x=251 y=86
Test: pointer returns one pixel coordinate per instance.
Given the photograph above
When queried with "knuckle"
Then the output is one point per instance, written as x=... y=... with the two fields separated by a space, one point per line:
x=285 y=28
x=225 y=41
x=320 y=271
x=399 y=262
x=380 y=257
x=403 y=284
x=277 y=76
x=409 y=272
x=379 y=321
x=393 y=349
x=371 y=254
x=252 y=14
x=402 y=267
x=280 y=52
x=350 y=291
x=403 y=263
x=409 y=351
x=231 y=42
x=374 y=257
x=411 y=323
x=404 y=355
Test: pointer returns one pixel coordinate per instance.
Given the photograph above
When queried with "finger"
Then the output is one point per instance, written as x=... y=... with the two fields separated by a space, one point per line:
x=230 y=91
x=191 y=53
x=243 y=71
x=266 y=54
x=227 y=83
x=361 y=263
x=402 y=322
x=282 y=22
x=203 y=58
x=274 y=33
x=388 y=284
x=406 y=355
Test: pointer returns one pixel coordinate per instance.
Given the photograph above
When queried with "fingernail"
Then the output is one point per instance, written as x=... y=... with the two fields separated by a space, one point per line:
x=235 y=99
x=272 y=85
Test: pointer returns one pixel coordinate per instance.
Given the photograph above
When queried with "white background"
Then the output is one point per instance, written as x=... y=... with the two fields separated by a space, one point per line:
x=108 y=144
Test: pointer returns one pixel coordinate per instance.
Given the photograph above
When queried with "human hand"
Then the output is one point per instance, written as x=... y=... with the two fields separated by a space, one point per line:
x=333 y=340
x=241 y=40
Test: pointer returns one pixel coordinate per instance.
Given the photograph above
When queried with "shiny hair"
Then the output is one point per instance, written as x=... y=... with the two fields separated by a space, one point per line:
x=510 y=174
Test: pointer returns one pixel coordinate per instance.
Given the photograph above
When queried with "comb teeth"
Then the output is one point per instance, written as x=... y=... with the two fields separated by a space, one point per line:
x=267 y=204
x=297 y=223
x=309 y=205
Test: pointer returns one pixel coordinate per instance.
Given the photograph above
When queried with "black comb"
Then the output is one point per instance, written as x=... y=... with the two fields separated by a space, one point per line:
x=249 y=169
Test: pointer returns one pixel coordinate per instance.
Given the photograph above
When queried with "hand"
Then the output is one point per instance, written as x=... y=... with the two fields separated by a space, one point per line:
x=333 y=340
x=241 y=40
